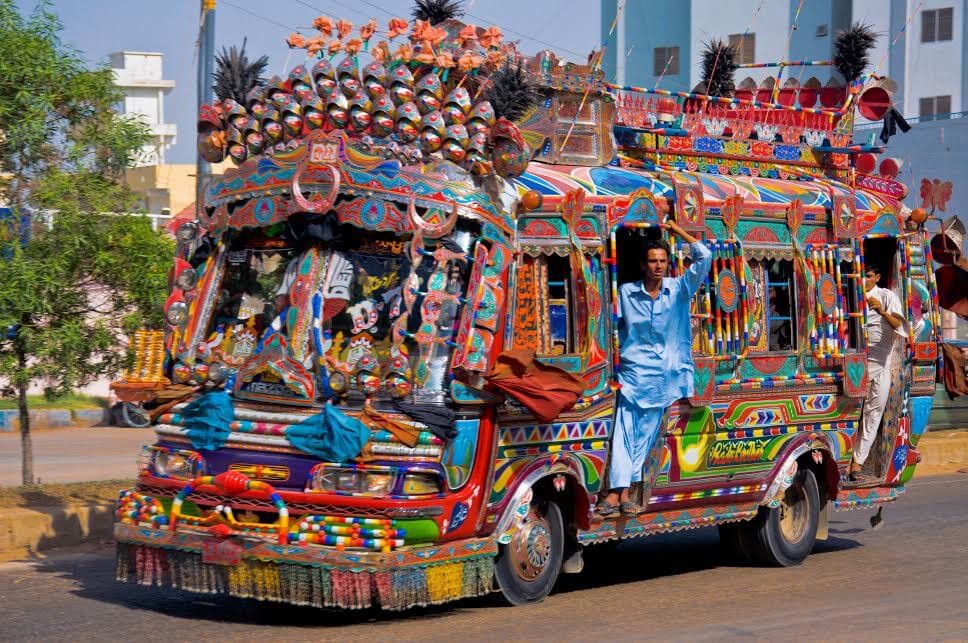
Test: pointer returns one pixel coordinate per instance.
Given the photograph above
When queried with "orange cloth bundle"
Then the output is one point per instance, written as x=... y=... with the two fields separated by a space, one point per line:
x=546 y=390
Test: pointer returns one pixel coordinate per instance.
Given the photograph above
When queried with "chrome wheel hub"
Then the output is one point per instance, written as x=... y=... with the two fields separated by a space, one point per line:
x=530 y=548
x=793 y=514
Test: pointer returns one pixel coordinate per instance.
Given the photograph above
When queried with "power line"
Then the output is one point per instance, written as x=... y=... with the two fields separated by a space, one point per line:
x=527 y=37
x=342 y=4
x=255 y=15
x=478 y=18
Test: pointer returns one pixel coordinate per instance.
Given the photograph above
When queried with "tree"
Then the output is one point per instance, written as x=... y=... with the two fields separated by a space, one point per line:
x=72 y=291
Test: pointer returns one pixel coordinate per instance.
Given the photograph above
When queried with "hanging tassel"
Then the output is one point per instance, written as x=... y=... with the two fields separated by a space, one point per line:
x=892 y=121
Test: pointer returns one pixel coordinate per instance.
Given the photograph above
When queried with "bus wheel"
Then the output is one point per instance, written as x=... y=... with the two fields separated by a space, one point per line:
x=784 y=536
x=528 y=566
x=134 y=415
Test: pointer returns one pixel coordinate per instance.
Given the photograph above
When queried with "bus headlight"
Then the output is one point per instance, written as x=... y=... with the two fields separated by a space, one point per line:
x=418 y=484
x=370 y=481
x=176 y=463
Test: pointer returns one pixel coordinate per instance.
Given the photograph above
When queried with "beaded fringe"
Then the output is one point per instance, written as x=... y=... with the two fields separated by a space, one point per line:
x=304 y=585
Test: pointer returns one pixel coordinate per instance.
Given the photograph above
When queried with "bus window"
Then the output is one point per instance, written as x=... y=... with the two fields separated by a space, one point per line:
x=560 y=338
x=780 y=310
x=855 y=331
x=549 y=316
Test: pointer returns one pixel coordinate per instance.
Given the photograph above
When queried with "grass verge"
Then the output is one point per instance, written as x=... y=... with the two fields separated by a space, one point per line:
x=70 y=401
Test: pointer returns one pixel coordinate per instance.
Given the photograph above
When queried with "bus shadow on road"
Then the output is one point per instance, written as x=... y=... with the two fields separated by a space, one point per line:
x=652 y=558
x=667 y=555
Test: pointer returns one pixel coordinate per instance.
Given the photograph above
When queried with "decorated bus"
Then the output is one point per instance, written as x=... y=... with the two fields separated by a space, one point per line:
x=389 y=372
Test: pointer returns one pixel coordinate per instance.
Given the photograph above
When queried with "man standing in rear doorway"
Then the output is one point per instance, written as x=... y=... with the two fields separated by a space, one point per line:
x=656 y=367
x=885 y=324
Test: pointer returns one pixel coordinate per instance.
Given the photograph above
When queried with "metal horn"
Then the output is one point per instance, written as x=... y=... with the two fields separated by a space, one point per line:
x=431 y=231
x=315 y=206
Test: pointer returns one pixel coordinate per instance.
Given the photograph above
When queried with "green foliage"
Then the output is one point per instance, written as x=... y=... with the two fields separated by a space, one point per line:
x=74 y=291
x=88 y=274
x=70 y=401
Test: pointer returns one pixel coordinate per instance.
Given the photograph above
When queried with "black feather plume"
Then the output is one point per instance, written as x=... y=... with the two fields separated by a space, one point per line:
x=235 y=75
x=510 y=93
x=437 y=11
x=850 y=50
x=718 y=67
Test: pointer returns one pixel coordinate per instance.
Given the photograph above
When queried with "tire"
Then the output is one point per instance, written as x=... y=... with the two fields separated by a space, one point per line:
x=785 y=536
x=134 y=416
x=527 y=567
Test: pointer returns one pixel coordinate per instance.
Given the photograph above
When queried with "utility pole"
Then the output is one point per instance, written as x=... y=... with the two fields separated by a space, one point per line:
x=206 y=57
x=620 y=45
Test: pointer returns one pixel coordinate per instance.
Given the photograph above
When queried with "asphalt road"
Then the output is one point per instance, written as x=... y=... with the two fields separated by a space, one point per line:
x=75 y=454
x=906 y=580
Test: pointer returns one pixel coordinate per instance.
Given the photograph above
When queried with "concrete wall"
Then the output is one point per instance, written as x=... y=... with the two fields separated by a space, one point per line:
x=932 y=149
x=712 y=19
x=934 y=68
x=649 y=25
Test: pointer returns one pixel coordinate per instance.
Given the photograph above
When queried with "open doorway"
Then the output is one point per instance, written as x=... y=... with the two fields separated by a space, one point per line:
x=629 y=248
x=881 y=253
x=887 y=374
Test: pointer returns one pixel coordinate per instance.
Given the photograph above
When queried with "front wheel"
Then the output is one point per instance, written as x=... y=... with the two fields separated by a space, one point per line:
x=785 y=535
x=527 y=567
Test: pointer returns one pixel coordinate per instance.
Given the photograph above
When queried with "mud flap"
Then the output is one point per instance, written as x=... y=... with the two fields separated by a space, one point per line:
x=822 y=533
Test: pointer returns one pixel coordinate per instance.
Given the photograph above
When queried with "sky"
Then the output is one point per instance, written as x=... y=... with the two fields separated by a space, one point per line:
x=99 y=27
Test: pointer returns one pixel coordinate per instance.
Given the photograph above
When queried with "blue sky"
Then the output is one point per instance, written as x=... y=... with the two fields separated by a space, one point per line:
x=100 y=27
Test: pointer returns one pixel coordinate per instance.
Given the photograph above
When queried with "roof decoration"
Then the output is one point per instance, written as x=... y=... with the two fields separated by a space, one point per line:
x=435 y=87
x=718 y=67
x=236 y=77
x=850 y=50
x=437 y=11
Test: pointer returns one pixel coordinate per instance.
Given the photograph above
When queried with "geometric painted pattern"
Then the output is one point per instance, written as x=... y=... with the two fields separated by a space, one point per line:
x=665 y=521
x=553 y=432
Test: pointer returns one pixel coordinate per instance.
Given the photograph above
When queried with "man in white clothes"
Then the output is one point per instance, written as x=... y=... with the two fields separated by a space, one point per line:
x=885 y=324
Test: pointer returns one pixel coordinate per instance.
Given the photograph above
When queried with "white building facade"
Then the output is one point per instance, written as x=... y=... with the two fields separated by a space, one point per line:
x=139 y=75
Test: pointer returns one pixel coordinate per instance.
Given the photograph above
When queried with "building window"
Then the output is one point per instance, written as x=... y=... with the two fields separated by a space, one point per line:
x=745 y=46
x=936 y=24
x=666 y=56
x=933 y=108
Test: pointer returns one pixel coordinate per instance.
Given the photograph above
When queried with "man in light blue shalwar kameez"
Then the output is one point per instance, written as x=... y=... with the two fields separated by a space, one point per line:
x=656 y=367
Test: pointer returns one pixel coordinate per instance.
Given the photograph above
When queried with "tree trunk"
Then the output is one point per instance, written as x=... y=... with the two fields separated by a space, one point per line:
x=26 y=445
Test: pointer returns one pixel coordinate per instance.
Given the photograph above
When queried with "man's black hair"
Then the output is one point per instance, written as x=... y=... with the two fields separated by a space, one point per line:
x=876 y=270
x=656 y=244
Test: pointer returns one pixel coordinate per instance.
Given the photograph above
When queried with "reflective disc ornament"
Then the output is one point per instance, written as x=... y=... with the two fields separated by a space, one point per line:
x=827 y=294
x=727 y=290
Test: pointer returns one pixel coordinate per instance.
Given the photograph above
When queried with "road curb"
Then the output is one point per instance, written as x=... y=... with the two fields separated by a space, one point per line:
x=53 y=418
x=31 y=531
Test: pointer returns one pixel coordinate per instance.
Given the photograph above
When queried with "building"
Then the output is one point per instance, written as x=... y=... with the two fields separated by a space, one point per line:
x=139 y=75
x=663 y=43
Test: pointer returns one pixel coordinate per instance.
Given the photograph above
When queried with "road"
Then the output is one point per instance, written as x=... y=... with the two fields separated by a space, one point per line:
x=75 y=454
x=907 y=579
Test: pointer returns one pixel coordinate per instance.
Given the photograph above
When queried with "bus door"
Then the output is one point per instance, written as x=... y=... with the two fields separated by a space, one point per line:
x=887 y=253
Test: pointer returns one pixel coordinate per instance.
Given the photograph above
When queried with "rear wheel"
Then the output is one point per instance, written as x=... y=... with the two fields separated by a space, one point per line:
x=134 y=415
x=528 y=566
x=785 y=535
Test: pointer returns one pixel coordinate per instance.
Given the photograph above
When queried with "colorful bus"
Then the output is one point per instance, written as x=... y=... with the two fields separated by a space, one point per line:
x=332 y=429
